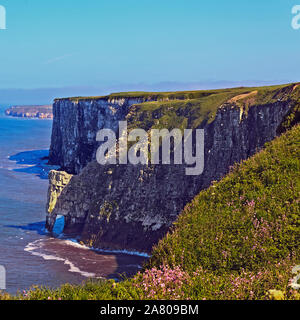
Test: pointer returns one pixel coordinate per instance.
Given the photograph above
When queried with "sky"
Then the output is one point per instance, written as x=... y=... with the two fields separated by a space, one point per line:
x=140 y=43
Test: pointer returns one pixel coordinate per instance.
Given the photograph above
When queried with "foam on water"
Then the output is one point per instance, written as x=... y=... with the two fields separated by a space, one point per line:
x=74 y=243
x=35 y=249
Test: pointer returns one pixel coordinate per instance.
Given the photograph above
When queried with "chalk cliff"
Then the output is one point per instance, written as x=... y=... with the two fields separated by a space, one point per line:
x=132 y=207
x=75 y=125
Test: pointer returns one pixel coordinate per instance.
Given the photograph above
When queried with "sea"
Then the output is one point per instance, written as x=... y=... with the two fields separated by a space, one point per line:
x=29 y=254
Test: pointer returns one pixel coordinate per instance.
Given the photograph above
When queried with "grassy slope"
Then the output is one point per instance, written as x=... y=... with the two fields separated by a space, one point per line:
x=246 y=221
x=236 y=240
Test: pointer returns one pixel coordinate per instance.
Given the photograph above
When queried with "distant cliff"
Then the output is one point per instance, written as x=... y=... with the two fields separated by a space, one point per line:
x=40 y=112
x=132 y=207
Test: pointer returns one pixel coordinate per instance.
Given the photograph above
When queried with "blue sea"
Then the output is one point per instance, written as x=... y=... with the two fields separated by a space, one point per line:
x=29 y=254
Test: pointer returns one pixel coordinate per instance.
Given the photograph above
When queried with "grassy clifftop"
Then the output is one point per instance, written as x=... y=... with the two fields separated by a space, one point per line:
x=239 y=239
x=191 y=109
x=182 y=95
x=196 y=108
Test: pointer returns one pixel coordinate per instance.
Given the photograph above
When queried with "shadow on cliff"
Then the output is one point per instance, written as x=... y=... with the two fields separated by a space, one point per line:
x=33 y=162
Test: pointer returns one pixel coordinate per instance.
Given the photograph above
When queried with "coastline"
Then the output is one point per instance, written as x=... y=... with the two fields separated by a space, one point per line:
x=42 y=112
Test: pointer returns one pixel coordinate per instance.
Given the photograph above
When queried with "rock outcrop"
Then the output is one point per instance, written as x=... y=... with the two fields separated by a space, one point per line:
x=132 y=207
x=57 y=182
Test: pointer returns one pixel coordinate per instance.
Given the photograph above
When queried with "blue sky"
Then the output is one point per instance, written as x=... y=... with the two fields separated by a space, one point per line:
x=64 y=43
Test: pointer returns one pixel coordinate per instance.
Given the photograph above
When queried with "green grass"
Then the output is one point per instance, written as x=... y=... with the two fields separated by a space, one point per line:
x=193 y=109
x=176 y=95
x=238 y=239
x=189 y=113
x=248 y=220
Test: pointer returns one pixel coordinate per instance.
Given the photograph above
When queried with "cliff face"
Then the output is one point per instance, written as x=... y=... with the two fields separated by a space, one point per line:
x=132 y=207
x=75 y=125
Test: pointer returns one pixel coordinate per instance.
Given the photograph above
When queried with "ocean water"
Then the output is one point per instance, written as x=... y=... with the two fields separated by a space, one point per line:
x=29 y=254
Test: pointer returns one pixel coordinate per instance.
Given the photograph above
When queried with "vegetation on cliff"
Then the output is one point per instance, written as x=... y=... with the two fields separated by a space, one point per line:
x=247 y=221
x=189 y=109
x=178 y=95
x=239 y=239
x=194 y=109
